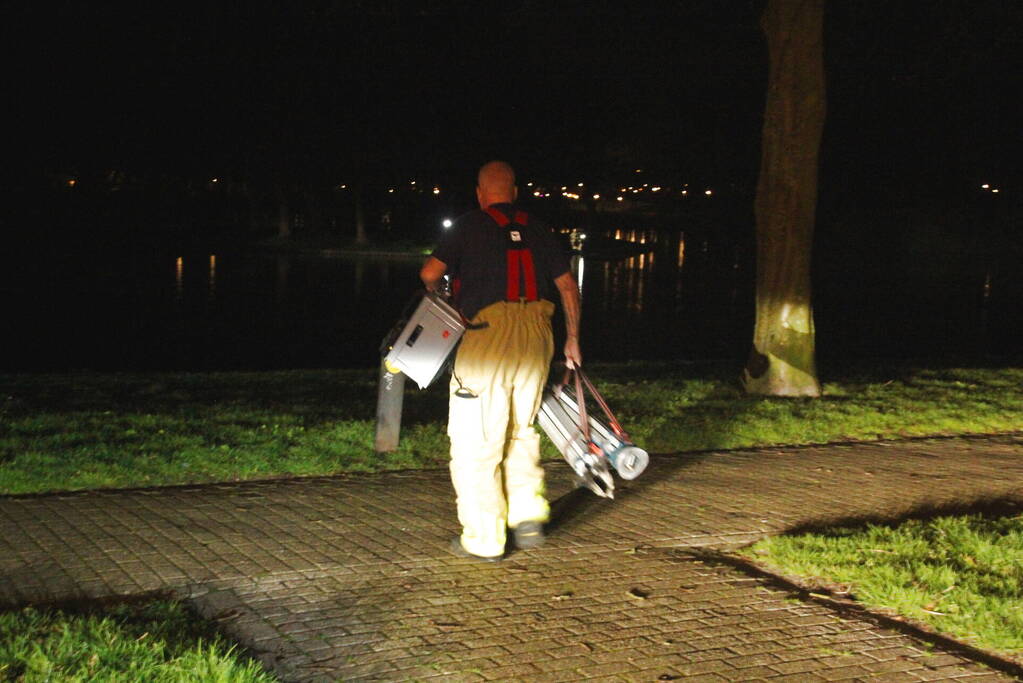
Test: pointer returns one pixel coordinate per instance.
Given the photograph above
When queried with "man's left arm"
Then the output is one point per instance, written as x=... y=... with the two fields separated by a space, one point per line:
x=569 y=291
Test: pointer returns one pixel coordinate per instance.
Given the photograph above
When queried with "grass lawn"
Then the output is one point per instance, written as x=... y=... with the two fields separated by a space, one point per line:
x=155 y=642
x=962 y=575
x=84 y=431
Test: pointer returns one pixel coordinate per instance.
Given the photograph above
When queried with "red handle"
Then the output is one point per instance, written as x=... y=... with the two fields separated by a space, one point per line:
x=582 y=380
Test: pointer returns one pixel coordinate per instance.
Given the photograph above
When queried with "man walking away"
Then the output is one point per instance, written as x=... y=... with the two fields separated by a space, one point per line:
x=506 y=267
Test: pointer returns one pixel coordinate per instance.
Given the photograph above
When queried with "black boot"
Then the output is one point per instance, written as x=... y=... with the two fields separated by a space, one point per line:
x=529 y=535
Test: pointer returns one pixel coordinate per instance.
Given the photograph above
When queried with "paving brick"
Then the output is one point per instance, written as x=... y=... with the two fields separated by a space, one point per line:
x=895 y=665
x=661 y=661
x=937 y=674
x=611 y=668
x=797 y=666
x=510 y=672
x=706 y=678
x=749 y=661
x=710 y=665
x=564 y=676
x=562 y=663
x=756 y=647
x=846 y=673
x=894 y=677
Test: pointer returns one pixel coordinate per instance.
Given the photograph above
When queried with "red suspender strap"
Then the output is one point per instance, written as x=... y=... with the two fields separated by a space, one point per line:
x=528 y=274
x=514 y=262
x=501 y=219
x=528 y=271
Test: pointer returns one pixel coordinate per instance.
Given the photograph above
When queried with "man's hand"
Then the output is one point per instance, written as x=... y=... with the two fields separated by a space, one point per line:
x=573 y=356
x=432 y=273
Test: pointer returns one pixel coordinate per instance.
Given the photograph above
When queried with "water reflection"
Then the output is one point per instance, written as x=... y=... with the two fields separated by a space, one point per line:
x=985 y=311
x=212 y=290
x=360 y=275
x=634 y=236
x=637 y=291
x=179 y=279
x=283 y=271
x=647 y=294
x=666 y=298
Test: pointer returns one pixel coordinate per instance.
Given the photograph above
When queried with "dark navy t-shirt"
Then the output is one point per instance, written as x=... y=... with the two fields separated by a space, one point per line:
x=474 y=250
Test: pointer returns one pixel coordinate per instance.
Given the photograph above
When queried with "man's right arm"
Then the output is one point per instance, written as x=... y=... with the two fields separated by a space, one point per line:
x=569 y=291
x=432 y=273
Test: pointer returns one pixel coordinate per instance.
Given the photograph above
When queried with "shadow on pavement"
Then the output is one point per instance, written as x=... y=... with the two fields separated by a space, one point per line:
x=1003 y=506
x=580 y=504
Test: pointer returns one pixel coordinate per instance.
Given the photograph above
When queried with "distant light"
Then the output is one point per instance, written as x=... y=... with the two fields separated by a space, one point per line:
x=580 y=185
x=708 y=193
x=72 y=182
x=985 y=186
x=343 y=187
x=529 y=184
x=537 y=193
x=412 y=182
x=596 y=196
x=582 y=236
x=639 y=170
x=390 y=190
x=564 y=187
x=447 y=223
x=436 y=190
x=215 y=180
x=994 y=191
x=655 y=189
x=619 y=198
x=685 y=192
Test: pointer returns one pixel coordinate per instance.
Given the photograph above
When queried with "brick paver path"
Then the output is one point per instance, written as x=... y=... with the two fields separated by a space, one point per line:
x=348 y=578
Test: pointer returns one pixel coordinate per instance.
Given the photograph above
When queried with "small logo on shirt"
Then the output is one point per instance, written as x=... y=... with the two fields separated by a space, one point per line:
x=515 y=236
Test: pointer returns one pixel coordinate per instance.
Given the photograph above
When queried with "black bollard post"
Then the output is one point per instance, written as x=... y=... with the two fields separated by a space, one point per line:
x=390 y=395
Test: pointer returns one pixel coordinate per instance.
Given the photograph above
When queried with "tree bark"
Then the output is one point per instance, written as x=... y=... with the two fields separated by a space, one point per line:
x=782 y=361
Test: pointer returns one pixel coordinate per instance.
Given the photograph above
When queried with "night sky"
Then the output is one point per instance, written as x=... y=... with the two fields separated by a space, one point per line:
x=333 y=90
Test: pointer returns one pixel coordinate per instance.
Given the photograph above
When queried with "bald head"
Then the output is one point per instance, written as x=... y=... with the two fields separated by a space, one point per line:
x=495 y=184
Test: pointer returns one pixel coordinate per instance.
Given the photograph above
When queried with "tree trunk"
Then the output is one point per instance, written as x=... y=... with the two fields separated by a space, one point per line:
x=283 y=214
x=782 y=361
x=360 y=217
x=313 y=212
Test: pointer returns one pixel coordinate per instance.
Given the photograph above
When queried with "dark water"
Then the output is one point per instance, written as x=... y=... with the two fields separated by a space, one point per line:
x=685 y=298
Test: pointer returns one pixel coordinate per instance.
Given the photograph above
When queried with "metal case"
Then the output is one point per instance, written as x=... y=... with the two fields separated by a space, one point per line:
x=427 y=340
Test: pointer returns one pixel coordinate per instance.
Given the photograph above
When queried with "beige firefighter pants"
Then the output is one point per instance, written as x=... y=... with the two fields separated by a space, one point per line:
x=495 y=451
